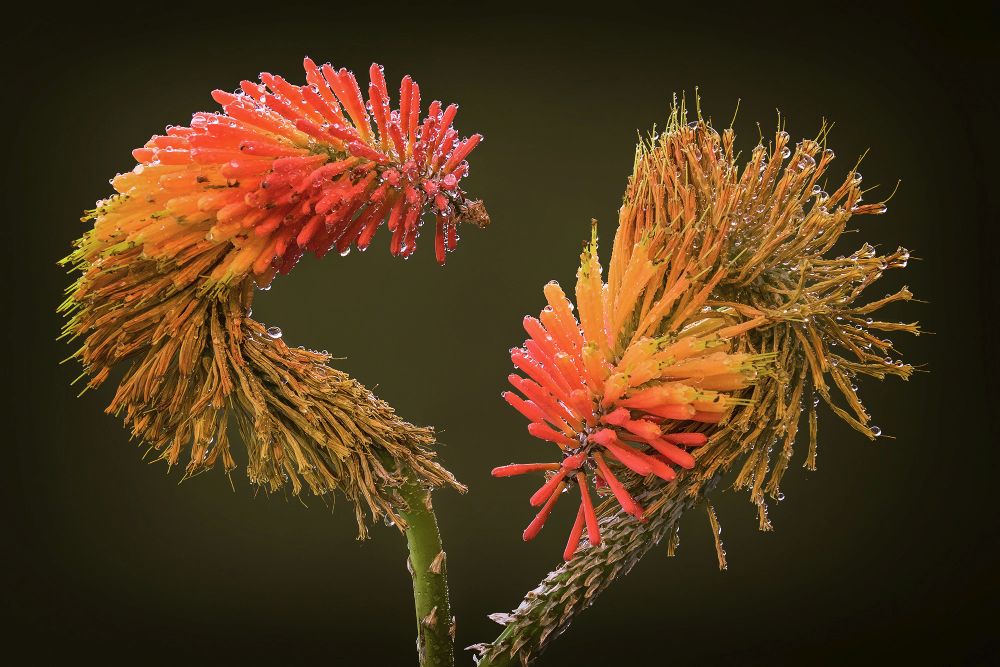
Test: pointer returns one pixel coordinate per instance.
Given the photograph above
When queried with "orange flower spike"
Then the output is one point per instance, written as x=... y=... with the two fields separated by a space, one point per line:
x=617 y=381
x=540 y=354
x=641 y=428
x=633 y=459
x=644 y=372
x=442 y=131
x=662 y=307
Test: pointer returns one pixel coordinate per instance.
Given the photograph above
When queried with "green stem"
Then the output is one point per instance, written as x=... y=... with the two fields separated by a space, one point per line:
x=435 y=625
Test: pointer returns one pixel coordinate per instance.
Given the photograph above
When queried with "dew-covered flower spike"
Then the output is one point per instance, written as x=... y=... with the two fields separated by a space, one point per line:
x=219 y=207
x=730 y=313
x=630 y=386
x=213 y=209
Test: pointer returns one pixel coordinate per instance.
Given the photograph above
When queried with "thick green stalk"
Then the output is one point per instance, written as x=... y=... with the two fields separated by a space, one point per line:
x=426 y=563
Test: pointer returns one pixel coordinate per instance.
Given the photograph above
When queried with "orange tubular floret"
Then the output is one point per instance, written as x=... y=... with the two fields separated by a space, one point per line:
x=543 y=493
x=526 y=408
x=686 y=439
x=593 y=529
x=544 y=432
x=536 y=524
x=560 y=305
x=536 y=372
x=672 y=393
x=574 y=535
x=680 y=411
x=515 y=469
x=555 y=412
x=627 y=502
x=674 y=453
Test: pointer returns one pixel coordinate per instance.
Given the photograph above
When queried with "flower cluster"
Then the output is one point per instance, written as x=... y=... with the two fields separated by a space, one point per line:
x=627 y=386
x=167 y=276
x=758 y=237
x=286 y=169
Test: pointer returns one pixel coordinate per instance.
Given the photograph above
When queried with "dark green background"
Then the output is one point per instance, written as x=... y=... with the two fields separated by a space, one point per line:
x=885 y=552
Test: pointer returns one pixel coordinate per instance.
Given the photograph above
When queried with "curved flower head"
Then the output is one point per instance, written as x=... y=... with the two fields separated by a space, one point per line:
x=629 y=386
x=214 y=208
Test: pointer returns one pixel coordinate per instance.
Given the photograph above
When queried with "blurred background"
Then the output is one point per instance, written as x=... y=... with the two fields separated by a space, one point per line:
x=887 y=551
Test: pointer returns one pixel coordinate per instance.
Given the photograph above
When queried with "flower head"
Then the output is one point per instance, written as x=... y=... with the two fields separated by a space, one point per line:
x=762 y=236
x=167 y=276
x=718 y=271
x=627 y=388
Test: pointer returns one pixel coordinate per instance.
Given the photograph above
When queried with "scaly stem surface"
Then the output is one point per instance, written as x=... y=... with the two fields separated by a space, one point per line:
x=548 y=610
x=435 y=629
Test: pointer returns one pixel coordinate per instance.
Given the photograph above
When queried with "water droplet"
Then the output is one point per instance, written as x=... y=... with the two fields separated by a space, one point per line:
x=274 y=332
